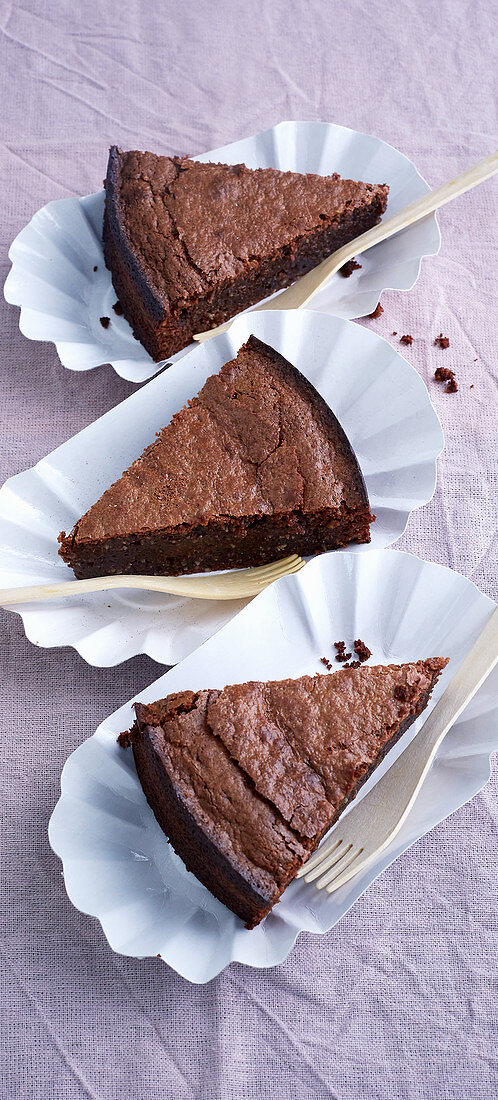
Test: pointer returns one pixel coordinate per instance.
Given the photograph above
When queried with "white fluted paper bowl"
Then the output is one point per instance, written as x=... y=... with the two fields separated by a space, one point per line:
x=119 y=866
x=62 y=298
x=380 y=400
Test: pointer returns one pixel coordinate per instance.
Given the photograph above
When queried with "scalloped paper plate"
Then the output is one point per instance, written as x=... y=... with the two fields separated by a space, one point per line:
x=119 y=866
x=380 y=400
x=62 y=298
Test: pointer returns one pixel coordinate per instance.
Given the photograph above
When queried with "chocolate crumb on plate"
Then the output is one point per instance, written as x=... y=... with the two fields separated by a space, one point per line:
x=96 y=268
x=347 y=269
x=105 y=322
x=325 y=661
x=441 y=341
x=362 y=650
x=406 y=339
x=444 y=374
x=377 y=312
x=353 y=664
x=341 y=654
x=117 y=307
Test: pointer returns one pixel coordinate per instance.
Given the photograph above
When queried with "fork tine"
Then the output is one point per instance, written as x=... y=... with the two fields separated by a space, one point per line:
x=345 y=875
x=338 y=852
x=337 y=872
x=318 y=856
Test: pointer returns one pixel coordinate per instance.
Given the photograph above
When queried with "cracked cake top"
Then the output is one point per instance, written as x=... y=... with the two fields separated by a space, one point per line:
x=257 y=440
x=166 y=212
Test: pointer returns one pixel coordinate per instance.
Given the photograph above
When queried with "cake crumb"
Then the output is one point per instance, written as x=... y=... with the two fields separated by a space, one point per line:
x=124 y=739
x=96 y=268
x=441 y=341
x=325 y=661
x=400 y=693
x=117 y=307
x=341 y=654
x=444 y=374
x=377 y=312
x=105 y=322
x=347 y=269
x=408 y=340
x=472 y=386
x=394 y=334
x=353 y=664
x=362 y=650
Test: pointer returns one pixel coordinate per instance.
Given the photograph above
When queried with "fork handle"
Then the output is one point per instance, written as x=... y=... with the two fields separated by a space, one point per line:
x=303 y=290
x=400 y=785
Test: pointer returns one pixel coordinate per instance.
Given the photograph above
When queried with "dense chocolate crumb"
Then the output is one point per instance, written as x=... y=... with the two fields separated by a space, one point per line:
x=441 y=341
x=347 y=269
x=472 y=386
x=377 y=312
x=117 y=307
x=406 y=339
x=362 y=650
x=400 y=693
x=353 y=664
x=444 y=374
x=124 y=739
x=105 y=322
x=394 y=333
x=96 y=267
x=341 y=654
x=325 y=661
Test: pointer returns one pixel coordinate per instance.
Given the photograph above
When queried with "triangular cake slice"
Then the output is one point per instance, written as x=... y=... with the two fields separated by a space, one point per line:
x=246 y=781
x=189 y=245
x=254 y=468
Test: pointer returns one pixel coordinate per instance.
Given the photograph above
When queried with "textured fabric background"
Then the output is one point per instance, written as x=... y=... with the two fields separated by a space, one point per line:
x=399 y=1000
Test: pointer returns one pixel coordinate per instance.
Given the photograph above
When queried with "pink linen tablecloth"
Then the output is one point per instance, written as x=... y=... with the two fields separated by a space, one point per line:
x=399 y=1000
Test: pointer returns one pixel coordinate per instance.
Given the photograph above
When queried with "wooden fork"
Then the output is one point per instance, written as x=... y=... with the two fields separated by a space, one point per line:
x=302 y=291
x=375 y=821
x=236 y=585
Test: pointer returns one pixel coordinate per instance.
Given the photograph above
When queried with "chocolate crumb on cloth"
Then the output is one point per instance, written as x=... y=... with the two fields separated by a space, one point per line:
x=377 y=312
x=406 y=339
x=347 y=269
x=444 y=374
x=441 y=341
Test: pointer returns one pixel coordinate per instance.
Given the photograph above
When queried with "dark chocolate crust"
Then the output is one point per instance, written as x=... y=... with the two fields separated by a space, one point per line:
x=98 y=545
x=314 y=794
x=166 y=322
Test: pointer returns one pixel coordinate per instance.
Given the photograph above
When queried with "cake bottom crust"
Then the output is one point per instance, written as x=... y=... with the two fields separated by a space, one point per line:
x=225 y=544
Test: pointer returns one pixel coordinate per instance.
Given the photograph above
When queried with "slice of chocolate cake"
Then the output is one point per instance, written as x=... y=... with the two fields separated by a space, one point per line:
x=189 y=245
x=246 y=781
x=255 y=468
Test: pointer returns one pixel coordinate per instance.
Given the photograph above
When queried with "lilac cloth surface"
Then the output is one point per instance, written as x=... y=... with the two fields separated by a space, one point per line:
x=399 y=1000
